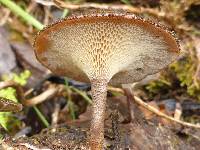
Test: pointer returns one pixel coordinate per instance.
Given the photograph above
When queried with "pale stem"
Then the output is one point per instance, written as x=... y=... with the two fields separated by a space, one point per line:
x=99 y=94
x=128 y=92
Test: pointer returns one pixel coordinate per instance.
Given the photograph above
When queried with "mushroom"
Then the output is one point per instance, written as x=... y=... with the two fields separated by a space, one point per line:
x=105 y=47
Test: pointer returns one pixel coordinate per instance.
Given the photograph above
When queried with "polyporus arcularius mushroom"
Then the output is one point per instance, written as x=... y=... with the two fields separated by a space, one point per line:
x=105 y=47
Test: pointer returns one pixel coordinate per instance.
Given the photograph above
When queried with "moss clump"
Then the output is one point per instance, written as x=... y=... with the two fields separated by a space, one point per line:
x=180 y=75
x=160 y=86
x=185 y=70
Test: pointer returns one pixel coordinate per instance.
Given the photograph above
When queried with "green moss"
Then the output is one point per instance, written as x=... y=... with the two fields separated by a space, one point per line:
x=7 y=120
x=182 y=73
x=185 y=70
x=159 y=86
x=18 y=78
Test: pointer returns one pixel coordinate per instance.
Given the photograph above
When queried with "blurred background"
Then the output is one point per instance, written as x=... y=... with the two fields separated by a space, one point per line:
x=51 y=100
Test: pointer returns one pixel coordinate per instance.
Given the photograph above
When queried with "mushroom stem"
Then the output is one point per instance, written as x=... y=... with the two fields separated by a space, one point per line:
x=99 y=94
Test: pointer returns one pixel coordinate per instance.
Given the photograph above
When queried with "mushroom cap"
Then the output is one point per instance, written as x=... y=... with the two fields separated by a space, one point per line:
x=115 y=46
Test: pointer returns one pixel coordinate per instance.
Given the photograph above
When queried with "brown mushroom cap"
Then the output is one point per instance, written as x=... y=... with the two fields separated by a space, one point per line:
x=105 y=45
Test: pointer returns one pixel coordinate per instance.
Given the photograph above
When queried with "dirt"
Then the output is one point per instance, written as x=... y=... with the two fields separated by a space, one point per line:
x=138 y=134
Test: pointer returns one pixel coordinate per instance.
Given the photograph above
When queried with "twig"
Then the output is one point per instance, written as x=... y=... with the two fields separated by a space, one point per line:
x=159 y=14
x=49 y=93
x=28 y=92
x=47 y=14
x=134 y=111
x=69 y=5
x=110 y=88
x=178 y=111
x=130 y=105
x=157 y=112
x=45 y=2
x=138 y=10
x=55 y=114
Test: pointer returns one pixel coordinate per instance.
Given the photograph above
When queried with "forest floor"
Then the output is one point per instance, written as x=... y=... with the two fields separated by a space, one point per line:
x=56 y=110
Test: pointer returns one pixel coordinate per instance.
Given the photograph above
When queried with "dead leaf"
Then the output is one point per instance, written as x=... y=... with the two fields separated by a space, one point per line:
x=7 y=56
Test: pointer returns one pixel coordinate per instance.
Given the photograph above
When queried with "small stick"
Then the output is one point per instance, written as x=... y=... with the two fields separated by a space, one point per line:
x=157 y=112
x=153 y=12
x=68 y=5
x=47 y=15
x=55 y=115
x=129 y=104
x=42 y=97
x=118 y=90
x=134 y=111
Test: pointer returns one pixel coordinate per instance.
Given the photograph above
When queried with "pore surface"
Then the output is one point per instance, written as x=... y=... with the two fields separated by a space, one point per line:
x=106 y=49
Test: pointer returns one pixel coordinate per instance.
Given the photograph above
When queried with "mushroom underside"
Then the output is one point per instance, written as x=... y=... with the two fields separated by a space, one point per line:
x=115 y=50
